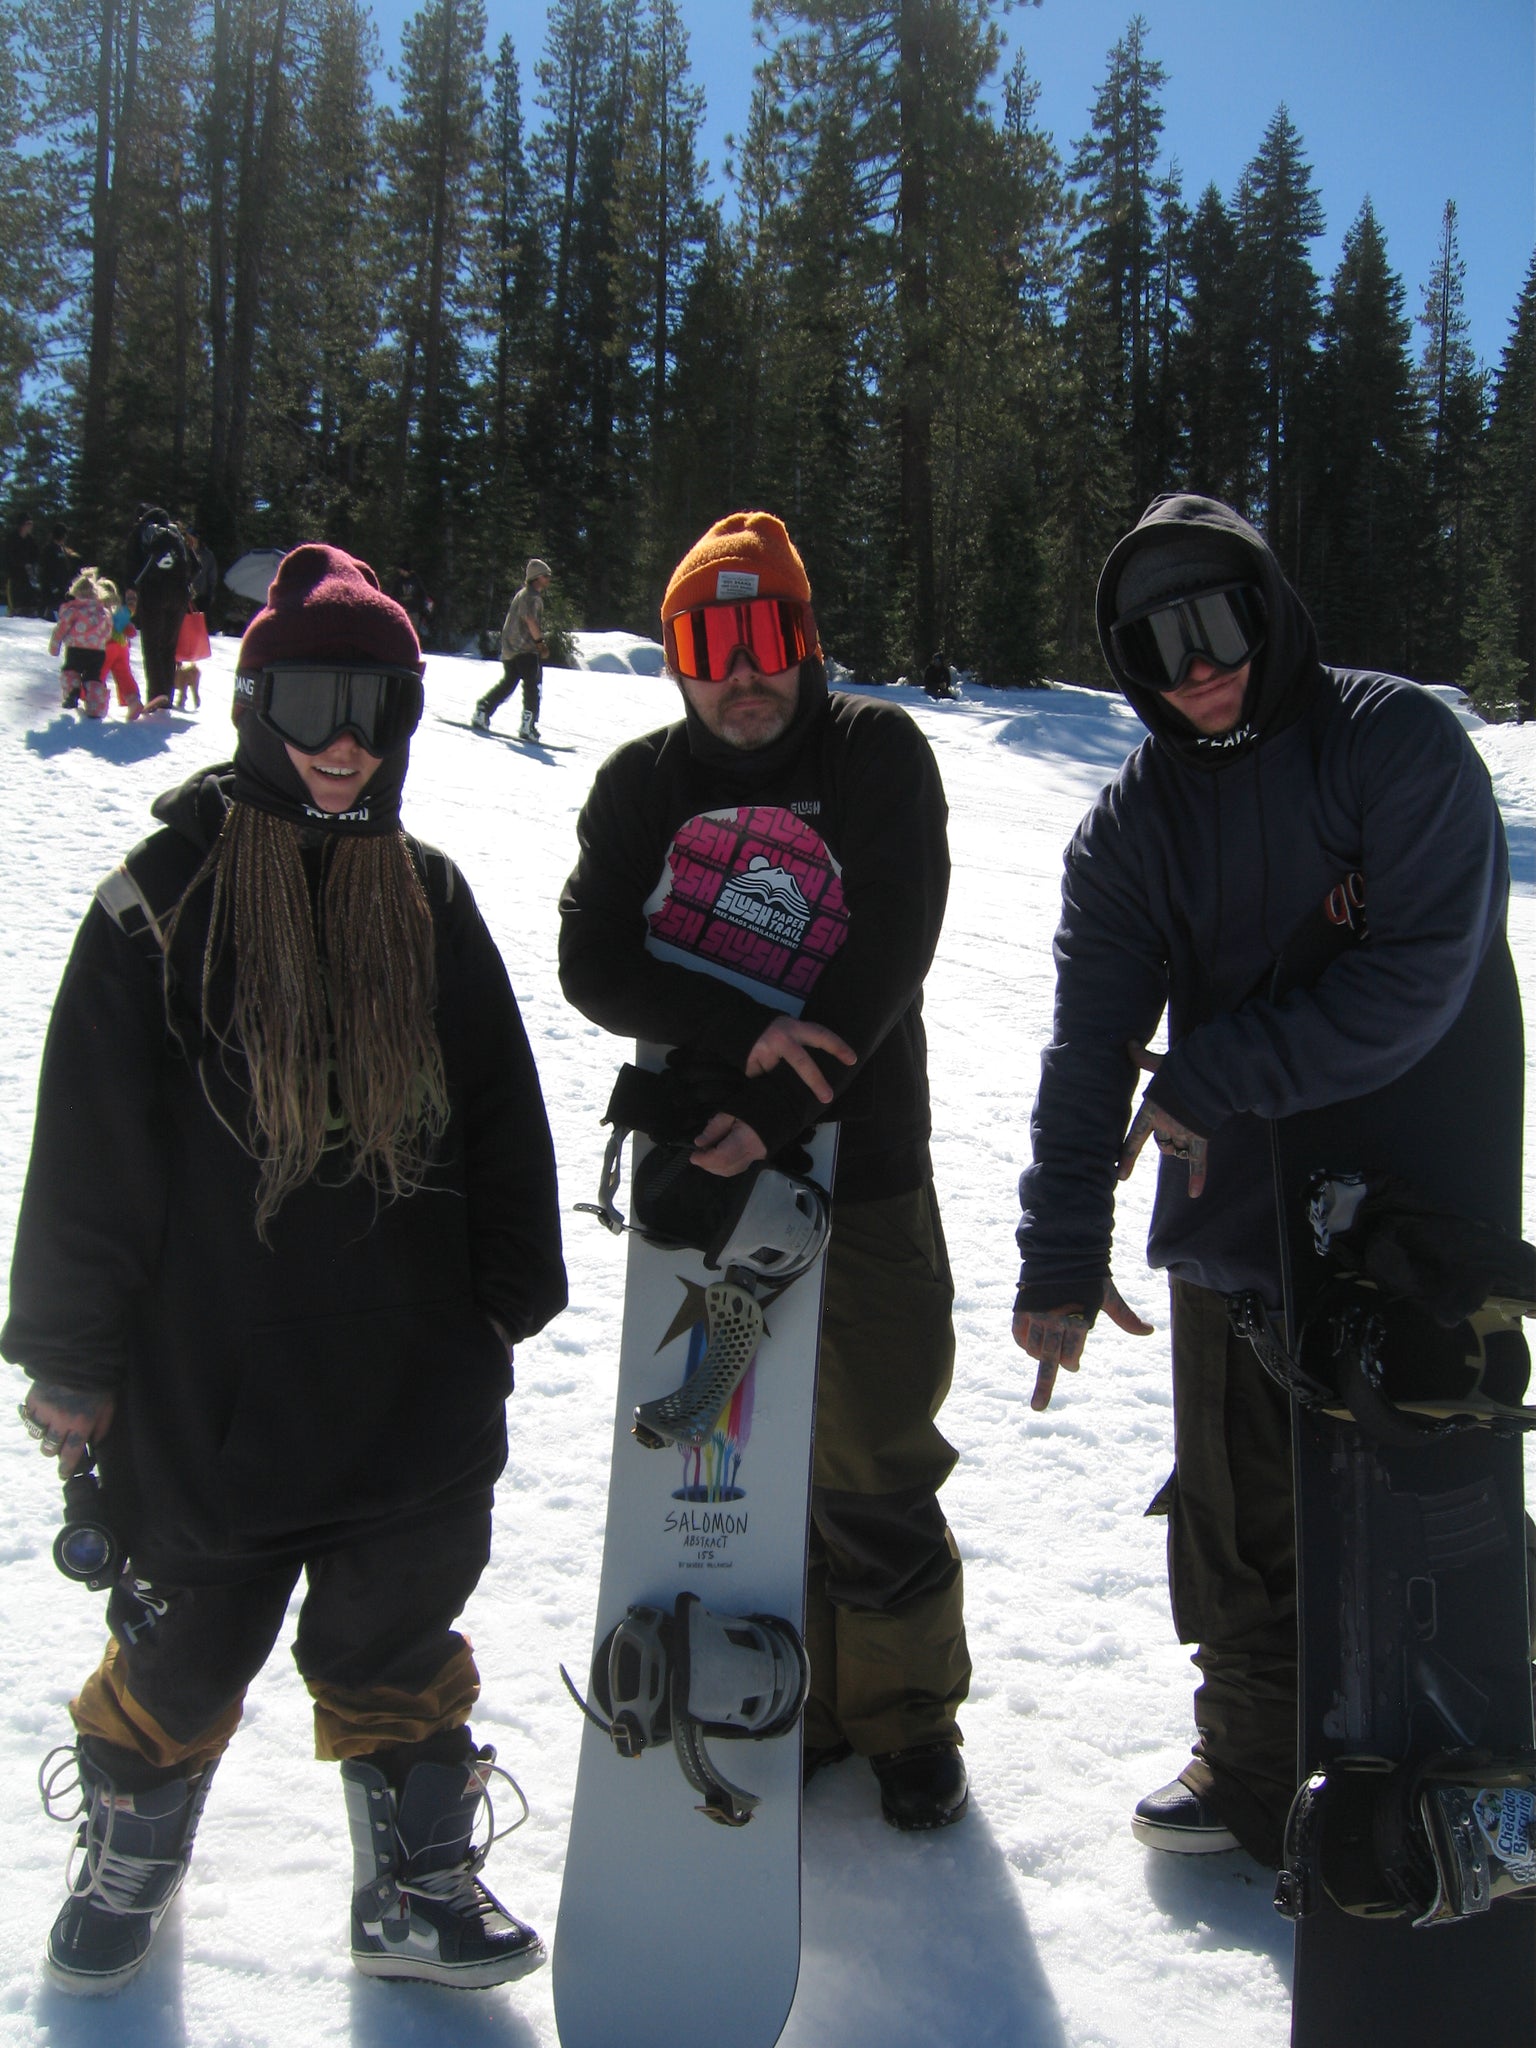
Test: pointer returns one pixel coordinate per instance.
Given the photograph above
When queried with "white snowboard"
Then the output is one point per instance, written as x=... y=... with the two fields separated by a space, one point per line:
x=672 y=1927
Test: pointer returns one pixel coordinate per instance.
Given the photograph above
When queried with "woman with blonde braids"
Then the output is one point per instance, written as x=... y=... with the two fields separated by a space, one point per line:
x=273 y=1256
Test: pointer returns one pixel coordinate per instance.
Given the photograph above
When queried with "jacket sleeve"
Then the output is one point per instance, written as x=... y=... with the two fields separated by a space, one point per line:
x=605 y=970
x=1436 y=871
x=514 y=1219
x=1111 y=987
x=94 y=1200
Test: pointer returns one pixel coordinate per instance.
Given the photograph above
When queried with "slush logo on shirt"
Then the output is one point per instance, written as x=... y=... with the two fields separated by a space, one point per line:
x=753 y=896
x=766 y=899
x=733 y=584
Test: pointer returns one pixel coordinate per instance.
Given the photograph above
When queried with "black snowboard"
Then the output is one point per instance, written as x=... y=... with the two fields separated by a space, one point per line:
x=1414 y=1626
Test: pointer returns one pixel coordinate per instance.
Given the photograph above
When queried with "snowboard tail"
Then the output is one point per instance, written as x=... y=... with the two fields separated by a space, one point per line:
x=1407 y=1371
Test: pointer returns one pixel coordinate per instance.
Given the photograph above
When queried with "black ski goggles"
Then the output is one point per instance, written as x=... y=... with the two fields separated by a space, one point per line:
x=777 y=632
x=1224 y=626
x=309 y=706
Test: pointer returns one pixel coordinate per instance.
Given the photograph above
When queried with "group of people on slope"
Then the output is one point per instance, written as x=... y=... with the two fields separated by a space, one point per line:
x=307 y=1374
x=169 y=581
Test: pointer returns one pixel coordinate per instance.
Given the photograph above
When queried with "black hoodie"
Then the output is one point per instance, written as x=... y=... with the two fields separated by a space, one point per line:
x=272 y=1398
x=858 y=784
x=1196 y=865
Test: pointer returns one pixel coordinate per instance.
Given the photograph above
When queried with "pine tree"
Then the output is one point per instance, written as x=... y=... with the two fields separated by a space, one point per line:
x=1002 y=616
x=1278 y=213
x=906 y=76
x=1364 y=550
x=247 y=144
x=319 y=417
x=435 y=151
x=1116 y=167
x=1451 y=386
x=1508 y=509
x=1214 y=363
x=1494 y=676
x=31 y=283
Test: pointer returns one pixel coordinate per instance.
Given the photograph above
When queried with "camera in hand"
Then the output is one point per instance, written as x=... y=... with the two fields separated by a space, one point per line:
x=86 y=1549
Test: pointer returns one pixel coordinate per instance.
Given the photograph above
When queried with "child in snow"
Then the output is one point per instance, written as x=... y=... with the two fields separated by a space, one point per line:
x=319 y=1072
x=117 y=665
x=82 y=629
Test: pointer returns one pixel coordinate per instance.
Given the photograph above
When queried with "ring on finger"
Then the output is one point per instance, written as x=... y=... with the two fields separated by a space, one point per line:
x=29 y=1422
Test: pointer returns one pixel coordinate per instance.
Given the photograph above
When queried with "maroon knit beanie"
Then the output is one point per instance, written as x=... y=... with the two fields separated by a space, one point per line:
x=324 y=605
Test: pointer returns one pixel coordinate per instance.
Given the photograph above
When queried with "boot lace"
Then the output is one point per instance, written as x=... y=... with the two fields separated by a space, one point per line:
x=459 y=1886
x=114 y=1877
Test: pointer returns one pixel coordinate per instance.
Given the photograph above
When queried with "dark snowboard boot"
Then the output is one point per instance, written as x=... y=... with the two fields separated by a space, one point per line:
x=134 y=1844
x=418 y=1906
x=921 y=1787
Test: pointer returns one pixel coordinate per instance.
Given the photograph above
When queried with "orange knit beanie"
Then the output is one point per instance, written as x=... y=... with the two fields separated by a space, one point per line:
x=745 y=555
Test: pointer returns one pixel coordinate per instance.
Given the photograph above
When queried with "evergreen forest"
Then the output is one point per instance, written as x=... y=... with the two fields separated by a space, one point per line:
x=506 y=312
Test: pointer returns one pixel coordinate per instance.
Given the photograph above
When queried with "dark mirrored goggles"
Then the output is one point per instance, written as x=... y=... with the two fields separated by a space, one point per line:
x=309 y=706
x=777 y=632
x=1224 y=627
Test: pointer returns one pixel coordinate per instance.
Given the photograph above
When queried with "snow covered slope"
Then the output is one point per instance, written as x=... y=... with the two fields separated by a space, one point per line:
x=1039 y=1922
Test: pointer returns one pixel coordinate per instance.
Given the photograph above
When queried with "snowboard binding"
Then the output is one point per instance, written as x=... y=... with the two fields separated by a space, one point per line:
x=761 y=1229
x=695 y=1673
x=1416 y=1333
x=1433 y=1843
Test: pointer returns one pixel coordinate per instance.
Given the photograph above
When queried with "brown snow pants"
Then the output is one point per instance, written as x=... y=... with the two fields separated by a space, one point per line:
x=884 y=1611
x=375 y=1647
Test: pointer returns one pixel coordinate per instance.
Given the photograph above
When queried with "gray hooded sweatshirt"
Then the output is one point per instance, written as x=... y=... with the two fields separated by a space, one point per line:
x=1196 y=865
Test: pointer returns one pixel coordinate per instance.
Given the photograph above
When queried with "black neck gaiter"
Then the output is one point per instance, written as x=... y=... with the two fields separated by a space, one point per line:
x=752 y=764
x=266 y=779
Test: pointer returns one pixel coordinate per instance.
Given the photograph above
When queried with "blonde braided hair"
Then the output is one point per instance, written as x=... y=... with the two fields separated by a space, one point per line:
x=332 y=1006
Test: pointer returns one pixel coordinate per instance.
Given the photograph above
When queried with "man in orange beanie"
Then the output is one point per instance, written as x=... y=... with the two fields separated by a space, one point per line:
x=768 y=780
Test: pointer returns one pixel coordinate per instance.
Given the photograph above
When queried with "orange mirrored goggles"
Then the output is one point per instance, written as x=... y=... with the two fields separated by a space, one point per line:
x=775 y=631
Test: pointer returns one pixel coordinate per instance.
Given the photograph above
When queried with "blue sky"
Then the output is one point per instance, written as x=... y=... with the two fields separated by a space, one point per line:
x=1410 y=101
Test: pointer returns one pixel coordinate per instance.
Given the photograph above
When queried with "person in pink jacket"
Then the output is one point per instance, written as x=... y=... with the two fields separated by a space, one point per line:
x=83 y=629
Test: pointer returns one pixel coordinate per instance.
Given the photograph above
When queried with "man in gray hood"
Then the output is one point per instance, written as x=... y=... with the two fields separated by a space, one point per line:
x=1270 y=784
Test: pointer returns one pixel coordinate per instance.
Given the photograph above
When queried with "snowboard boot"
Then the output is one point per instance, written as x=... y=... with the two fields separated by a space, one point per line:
x=1180 y=1817
x=527 y=730
x=481 y=721
x=922 y=1787
x=133 y=1846
x=418 y=1906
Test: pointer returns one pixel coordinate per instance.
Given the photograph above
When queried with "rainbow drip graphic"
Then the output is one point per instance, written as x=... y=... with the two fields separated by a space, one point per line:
x=710 y=1469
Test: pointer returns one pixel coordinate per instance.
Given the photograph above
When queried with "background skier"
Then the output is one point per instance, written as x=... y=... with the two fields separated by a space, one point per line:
x=1268 y=782
x=523 y=653
x=884 y=1620
x=280 y=1307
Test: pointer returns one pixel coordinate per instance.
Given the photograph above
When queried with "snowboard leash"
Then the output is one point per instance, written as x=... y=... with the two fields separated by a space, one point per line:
x=696 y=1673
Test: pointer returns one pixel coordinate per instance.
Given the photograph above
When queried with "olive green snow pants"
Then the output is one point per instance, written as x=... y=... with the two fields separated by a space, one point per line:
x=884 y=1621
x=1232 y=1567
